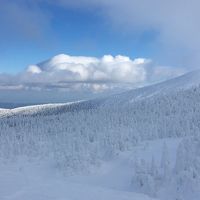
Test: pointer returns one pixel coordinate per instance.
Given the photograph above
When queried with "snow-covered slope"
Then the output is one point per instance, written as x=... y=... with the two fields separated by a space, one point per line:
x=79 y=137
x=38 y=181
x=184 y=82
x=104 y=126
x=4 y=111
x=148 y=168
x=35 y=109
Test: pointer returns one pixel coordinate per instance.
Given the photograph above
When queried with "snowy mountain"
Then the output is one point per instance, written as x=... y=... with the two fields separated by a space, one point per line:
x=149 y=137
x=183 y=82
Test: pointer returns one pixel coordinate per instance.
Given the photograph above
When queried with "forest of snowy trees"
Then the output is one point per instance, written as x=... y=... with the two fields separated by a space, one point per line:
x=77 y=135
x=179 y=181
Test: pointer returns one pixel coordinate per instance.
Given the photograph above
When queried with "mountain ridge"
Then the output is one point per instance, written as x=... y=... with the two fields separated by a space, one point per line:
x=182 y=82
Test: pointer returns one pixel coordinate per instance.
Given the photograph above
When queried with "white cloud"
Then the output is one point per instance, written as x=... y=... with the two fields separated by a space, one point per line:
x=69 y=73
x=174 y=22
x=74 y=69
x=34 y=69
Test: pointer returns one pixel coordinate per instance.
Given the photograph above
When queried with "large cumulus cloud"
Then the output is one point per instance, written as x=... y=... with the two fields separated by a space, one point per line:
x=64 y=72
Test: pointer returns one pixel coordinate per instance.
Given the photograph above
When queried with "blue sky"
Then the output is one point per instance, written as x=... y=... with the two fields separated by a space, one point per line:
x=72 y=31
x=87 y=48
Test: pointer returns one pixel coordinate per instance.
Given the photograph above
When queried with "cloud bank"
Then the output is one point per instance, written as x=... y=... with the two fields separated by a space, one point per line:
x=75 y=73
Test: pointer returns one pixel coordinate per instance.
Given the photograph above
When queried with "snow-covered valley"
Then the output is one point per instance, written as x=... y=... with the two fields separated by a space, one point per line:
x=142 y=144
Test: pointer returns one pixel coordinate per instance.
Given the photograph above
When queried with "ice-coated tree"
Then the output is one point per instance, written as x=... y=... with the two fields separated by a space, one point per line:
x=153 y=168
x=165 y=162
x=143 y=180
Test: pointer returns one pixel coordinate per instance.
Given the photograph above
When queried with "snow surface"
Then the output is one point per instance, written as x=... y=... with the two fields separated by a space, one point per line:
x=141 y=144
x=24 y=180
x=33 y=108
